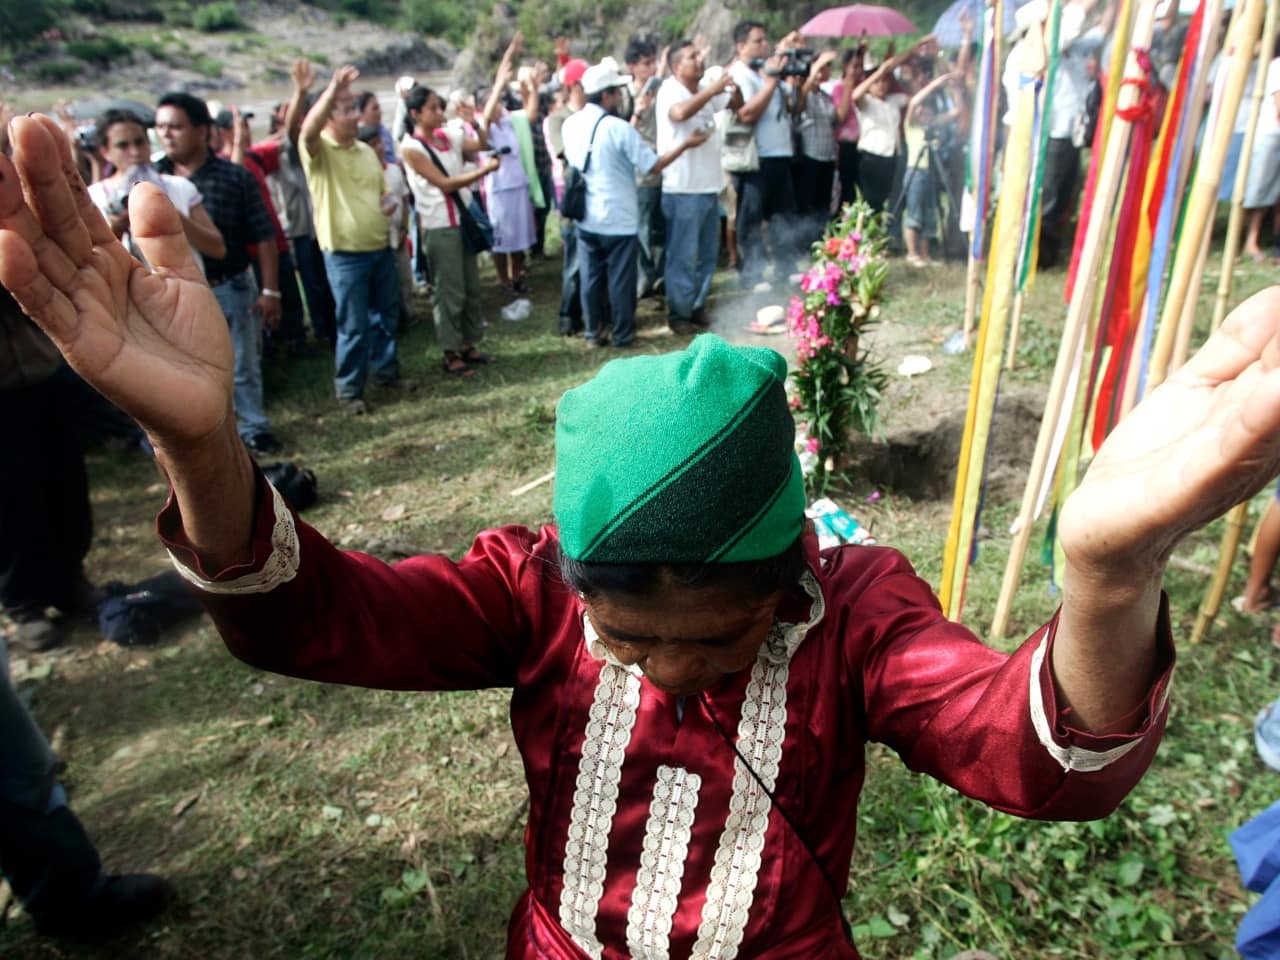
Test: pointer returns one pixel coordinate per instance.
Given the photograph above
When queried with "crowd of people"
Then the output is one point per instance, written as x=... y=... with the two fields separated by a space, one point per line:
x=336 y=221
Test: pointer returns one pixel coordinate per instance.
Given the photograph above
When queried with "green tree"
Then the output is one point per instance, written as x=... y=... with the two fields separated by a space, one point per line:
x=21 y=21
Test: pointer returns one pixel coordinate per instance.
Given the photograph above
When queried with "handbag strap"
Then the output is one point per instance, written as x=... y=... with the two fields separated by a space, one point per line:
x=452 y=198
x=586 y=165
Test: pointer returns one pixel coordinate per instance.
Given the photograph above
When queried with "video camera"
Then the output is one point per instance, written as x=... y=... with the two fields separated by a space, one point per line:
x=796 y=62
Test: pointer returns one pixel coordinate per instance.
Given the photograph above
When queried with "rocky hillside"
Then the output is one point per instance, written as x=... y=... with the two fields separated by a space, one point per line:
x=127 y=56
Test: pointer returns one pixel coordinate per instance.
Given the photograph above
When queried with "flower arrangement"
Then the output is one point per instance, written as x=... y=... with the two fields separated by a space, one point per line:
x=837 y=388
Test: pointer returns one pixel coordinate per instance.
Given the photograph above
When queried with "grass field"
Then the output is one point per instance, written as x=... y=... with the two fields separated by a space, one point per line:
x=300 y=820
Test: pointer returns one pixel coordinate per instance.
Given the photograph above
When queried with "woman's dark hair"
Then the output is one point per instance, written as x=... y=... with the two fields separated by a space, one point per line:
x=363 y=98
x=751 y=579
x=110 y=119
x=415 y=99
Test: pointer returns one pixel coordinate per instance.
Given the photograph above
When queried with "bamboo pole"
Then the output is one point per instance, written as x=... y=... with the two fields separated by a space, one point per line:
x=1113 y=162
x=1217 y=589
x=970 y=297
x=1231 y=247
x=1187 y=322
x=1014 y=324
x=1204 y=189
x=1212 y=602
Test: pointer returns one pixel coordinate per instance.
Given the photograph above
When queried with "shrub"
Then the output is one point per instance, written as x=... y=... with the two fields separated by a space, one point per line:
x=99 y=50
x=218 y=16
x=208 y=67
x=58 y=71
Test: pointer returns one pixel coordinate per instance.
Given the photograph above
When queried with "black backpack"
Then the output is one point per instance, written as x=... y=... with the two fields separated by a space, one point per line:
x=297 y=485
x=573 y=202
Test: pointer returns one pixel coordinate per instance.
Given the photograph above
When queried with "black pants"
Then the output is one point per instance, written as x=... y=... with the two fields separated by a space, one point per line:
x=768 y=194
x=848 y=163
x=875 y=179
x=293 y=329
x=813 y=180
x=1058 y=193
x=315 y=286
x=46 y=524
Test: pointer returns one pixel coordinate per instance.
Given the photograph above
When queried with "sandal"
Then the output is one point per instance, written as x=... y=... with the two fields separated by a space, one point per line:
x=475 y=357
x=455 y=366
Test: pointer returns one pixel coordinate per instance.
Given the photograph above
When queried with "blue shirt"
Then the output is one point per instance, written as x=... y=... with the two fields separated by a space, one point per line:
x=617 y=155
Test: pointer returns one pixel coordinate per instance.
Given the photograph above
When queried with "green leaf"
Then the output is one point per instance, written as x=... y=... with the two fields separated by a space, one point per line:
x=1129 y=870
x=880 y=927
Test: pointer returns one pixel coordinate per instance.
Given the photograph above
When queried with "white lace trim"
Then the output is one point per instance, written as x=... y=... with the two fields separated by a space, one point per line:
x=281 y=564
x=1072 y=758
x=662 y=860
x=761 y=732
x=595 y=800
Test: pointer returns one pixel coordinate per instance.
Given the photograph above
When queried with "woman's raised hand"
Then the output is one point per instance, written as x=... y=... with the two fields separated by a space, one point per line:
x=155 y=344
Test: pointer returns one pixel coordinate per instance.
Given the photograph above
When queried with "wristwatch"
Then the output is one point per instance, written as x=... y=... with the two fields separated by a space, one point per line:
x=273 y=294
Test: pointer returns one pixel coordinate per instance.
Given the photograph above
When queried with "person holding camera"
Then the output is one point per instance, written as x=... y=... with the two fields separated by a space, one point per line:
x=639 y=102
x=687 y=103
x=607 y=240
x=816 y=122
x=766 y=194
x=923 y=127
x=122 y=142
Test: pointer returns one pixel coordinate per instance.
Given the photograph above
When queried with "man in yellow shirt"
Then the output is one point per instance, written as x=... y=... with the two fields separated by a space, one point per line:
x=349 y=196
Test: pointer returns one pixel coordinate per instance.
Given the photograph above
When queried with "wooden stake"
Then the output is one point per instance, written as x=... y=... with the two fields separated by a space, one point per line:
x=970 y=297
x=1014 y=324
x=532 y=484
x=1231 y=247
x=1204 y=189
x=1113 y=162
x=1212 y=602
x=1187 y=322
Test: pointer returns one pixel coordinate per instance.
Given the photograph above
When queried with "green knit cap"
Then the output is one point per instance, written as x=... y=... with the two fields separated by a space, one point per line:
x=682 y=458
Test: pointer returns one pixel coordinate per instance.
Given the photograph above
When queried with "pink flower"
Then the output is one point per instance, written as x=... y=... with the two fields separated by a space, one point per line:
x=832 y=246
x=811 y=445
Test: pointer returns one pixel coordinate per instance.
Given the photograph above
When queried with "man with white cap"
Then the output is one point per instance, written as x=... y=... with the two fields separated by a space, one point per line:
x=610 y=153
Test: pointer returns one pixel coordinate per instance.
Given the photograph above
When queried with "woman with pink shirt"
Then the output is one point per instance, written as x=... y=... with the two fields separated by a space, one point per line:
x=847 y=124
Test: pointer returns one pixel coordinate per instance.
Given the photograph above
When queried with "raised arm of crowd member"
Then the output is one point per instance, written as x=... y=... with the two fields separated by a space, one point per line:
x=318 y=115
x=811 y=82
x=685 y=109
x=966 y=43
x=924 y=93
x=850 y=77
x=888 y=66
x=239 y=137
x=303 y=76
x=506 y=68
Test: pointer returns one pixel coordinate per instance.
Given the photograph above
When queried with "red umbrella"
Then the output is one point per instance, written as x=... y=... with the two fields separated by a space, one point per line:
x=858 y=19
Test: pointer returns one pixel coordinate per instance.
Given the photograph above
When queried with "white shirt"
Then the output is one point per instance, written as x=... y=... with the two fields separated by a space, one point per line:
x=110 y=199
x=697 y=170
x=434 y=212
x=878 y=122
x=398 y=187
x=617 y=154
x=1269 y=122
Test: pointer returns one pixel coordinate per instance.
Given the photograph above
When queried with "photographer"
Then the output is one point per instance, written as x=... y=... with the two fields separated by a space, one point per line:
x=639 y=102
x=765 y=194
x=816 y=122
x=927 y=127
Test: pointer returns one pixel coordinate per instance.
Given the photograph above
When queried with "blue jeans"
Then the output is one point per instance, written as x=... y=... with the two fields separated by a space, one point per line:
x=366 y=290
x=570 y=288
x=693 y=245
x=651 y=233
x=48 y=859
x=607 y=268
x=236 y=296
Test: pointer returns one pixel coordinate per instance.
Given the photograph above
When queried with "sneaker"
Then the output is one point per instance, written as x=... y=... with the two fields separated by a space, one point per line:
x=700 y=318
x=263 y=443
x=352 y=406
x=35 y=634
x=403 y=384
x=119 y=903
x=682 y=328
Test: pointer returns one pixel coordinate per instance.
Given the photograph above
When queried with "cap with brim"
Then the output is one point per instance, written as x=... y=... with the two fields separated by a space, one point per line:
x=572 y=72
x=602 y=77
x=681 y=458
